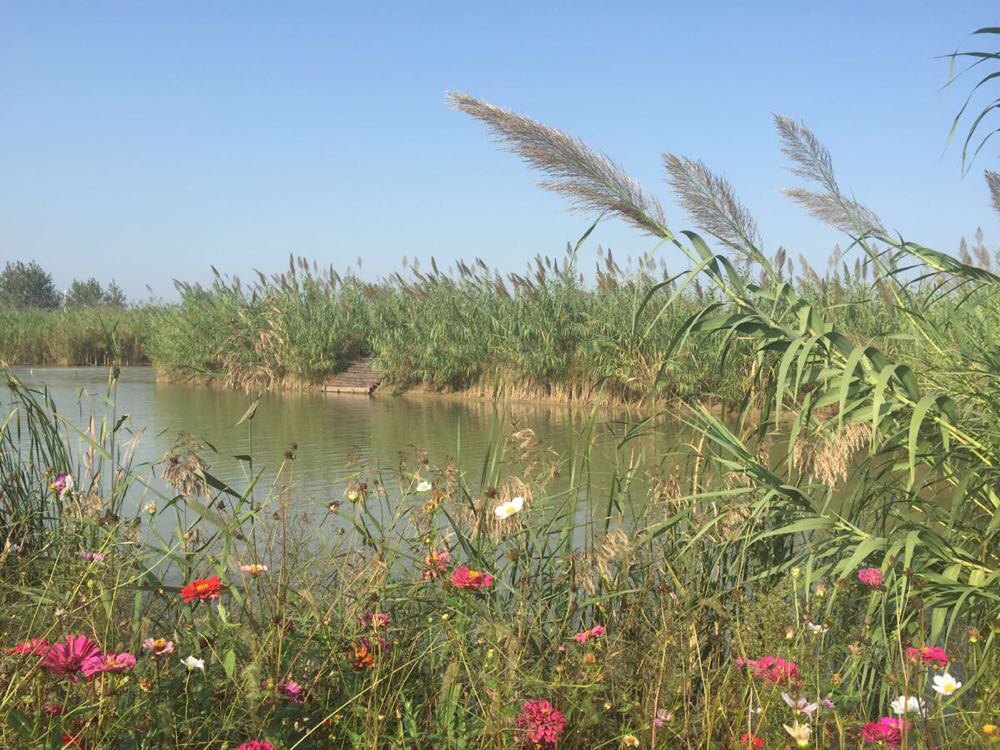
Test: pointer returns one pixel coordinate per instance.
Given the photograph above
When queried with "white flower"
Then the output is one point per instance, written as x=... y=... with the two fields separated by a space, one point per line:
x=945 y=684
x=424 y=486
x=193 y=663
x=907 y=704
x=509 y=508
x=150 y=508
x=817 y=629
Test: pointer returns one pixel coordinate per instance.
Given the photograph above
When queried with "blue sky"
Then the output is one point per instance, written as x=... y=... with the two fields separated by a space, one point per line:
x=146 y=141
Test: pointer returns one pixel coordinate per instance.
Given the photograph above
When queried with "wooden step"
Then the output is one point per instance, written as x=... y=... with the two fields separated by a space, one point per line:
x=360 y=377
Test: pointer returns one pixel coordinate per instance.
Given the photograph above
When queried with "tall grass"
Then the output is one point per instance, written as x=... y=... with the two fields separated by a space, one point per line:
x=72 y=337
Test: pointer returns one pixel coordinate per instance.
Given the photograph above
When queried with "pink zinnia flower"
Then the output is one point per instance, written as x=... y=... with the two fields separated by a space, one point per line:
x=108 y=663
x=66 y=658
x=158 y=646
x=933 y=655
x=464 y=578
x=886 y=731
x=772 y=669
x=293 y=691
x=256 y=745
x=540 y=723
x=594 y=632
x=870 y=577
x=33 y=646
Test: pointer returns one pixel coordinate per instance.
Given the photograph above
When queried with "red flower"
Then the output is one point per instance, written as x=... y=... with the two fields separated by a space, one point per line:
x=933 y=655
x=202 y=589
x=66 y=658
x=749 y=740
x=256 y=745
x=51 y=708
x=464 y=578
x=886 y=731
x=541 y=724
x=72 y=740
x=772 y=669
x=870 y=577
x=33 y=646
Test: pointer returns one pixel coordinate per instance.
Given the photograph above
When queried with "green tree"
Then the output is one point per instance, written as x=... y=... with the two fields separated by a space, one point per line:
x=87 y=293
x=114 y=296
x=27 y=285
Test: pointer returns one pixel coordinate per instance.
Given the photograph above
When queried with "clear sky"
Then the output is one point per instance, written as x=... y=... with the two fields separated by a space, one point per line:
x=146 y=141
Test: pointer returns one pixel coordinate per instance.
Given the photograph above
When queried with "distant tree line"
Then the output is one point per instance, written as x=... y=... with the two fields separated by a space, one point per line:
x=30 y=285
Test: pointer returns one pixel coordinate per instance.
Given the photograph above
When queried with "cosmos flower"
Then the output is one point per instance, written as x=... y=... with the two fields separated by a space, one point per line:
x=905 y=704
x=509 y=508
x=800 y=733
x=800 y=706
x=945 y=684
x=192 y=663
x=424 y=486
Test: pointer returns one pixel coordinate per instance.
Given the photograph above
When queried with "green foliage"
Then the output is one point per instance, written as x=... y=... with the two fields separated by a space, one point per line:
x=91 y=293
x=27 y=285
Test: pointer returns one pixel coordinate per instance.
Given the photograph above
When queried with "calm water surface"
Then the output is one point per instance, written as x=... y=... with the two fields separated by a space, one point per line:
x=334 y=433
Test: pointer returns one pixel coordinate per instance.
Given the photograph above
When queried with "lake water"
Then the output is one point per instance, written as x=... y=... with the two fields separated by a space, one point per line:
x=335 y=434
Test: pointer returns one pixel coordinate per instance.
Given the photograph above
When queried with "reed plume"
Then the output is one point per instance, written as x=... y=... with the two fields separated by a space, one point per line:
x=812 y=161
x=993 y=180
x=712 y=203
x=591 y=180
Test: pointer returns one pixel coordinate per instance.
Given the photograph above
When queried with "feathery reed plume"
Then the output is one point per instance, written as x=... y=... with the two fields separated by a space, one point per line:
x=993 y=180
x=812 y=161
x=590 y=179
x=710 y=200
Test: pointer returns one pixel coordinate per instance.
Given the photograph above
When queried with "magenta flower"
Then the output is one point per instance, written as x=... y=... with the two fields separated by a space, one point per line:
x=886 y=731
x=933 y=655
x=541 y=724
x=374 y=620
x=66 y=658
x=256 y=745
x=870 y=577
x=94 y=665
x=594 y=632
x=93 y=556
x=293 y=691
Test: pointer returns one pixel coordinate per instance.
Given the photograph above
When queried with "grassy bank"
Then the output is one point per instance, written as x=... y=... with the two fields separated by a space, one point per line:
x=548 y=334
x=75 y=336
